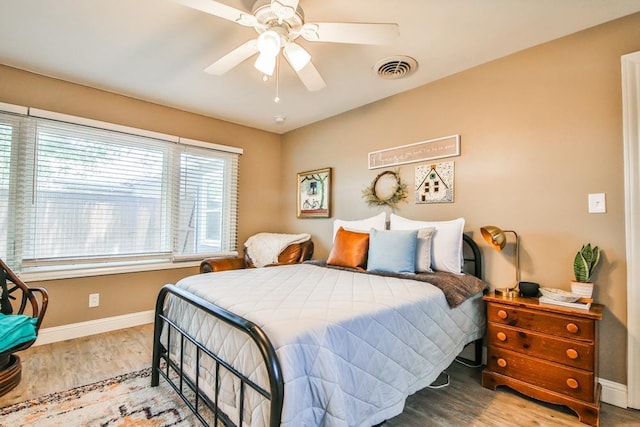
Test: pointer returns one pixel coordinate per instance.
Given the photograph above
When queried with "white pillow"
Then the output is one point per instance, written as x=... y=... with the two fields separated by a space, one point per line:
x=446 y=253
x=379 y=222
x=423 y=250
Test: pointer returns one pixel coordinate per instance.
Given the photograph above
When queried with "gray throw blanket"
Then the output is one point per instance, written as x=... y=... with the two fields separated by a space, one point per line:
x=457 y=288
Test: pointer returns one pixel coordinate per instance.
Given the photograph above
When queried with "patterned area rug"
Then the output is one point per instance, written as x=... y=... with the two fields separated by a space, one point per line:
x=125 y=400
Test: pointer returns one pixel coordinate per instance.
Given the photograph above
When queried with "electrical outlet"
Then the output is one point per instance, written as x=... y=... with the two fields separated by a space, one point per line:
x=94 y=300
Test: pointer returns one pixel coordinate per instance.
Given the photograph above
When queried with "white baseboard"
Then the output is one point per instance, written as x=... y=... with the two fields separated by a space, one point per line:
x=92 y=327
x=613 y=393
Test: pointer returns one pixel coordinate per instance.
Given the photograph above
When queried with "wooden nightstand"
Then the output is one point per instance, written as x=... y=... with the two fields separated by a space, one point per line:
x=545 y=351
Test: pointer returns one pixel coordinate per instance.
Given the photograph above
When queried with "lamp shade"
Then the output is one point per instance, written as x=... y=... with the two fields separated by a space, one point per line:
x=296 y=55
x=269 y=43
x=265 y=64
x=497 y=238
x=494 y=236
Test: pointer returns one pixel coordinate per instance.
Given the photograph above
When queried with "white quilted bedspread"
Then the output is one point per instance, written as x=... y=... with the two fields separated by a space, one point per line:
x=352 y=346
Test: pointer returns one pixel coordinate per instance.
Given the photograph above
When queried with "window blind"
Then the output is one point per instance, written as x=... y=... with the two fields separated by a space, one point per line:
x=6 y=136
x=86 y=195
x=208 y=192
x=15 y=128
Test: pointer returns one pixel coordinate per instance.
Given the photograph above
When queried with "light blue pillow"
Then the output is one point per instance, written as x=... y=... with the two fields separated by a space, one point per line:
x=392 y=251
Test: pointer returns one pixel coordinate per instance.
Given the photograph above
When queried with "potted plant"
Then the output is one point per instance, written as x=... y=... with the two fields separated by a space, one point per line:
x=584 y=265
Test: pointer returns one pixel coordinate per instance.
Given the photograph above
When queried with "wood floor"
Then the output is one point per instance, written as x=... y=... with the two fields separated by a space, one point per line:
x=464 y=402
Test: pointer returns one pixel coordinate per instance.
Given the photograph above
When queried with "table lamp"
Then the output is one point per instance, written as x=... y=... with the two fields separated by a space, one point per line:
x=498 y=240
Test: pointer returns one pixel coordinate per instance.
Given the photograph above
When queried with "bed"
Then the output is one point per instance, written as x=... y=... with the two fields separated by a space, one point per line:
x=310 y=344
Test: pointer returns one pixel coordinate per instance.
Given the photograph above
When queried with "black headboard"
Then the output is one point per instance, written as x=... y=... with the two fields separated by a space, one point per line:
x=472 y=257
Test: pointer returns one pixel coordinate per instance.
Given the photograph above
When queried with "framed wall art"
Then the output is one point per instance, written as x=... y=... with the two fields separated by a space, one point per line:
x=447 y=146
x=434 y=183
x=314 y=193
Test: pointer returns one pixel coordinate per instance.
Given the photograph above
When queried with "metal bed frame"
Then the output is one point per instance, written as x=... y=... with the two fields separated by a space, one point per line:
x=190 y=390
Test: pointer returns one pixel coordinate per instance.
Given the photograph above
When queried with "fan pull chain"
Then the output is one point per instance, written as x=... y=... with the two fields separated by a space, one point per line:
x=277 y=98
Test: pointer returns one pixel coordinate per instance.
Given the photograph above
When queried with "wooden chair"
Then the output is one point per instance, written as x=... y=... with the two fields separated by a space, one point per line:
x=30 y=305
x=292 y=254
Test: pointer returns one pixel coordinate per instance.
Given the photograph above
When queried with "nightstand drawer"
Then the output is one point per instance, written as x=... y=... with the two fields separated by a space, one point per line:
x=548 y=375
x=567 y=352
x=539 y=321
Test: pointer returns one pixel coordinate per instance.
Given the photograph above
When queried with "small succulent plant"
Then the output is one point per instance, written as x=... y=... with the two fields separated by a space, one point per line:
x=585 y=262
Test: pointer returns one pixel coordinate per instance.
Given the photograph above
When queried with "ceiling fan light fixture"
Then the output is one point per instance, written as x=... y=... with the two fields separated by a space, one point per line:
x=266 y=64
x=296 y=55
x=269 y=43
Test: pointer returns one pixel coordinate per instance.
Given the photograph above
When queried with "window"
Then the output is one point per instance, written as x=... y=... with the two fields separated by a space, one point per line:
x=207 y=196
x=75 y=195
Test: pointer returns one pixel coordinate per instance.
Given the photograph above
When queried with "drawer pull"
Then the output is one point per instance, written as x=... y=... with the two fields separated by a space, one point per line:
x=572 y=328
x=572 y=354
x=572 y=383
x=502 y=314
x=501 y=336
x=502 y=363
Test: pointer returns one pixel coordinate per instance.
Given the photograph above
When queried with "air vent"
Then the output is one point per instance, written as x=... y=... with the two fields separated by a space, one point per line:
x=395 y=67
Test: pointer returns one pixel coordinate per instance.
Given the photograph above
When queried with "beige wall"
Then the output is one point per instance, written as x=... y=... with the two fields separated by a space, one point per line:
x=130 y=293
x=539 y=129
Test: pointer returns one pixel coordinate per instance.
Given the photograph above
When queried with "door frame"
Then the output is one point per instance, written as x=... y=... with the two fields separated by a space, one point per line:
x=631 y=136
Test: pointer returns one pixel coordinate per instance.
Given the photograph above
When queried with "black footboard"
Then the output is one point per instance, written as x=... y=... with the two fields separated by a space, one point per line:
x=172 y=370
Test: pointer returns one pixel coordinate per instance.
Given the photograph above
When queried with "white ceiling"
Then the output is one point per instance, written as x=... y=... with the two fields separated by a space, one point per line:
x=156 y=50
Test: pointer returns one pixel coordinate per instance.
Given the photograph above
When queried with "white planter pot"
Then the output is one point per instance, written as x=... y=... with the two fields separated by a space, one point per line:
x=583 y=289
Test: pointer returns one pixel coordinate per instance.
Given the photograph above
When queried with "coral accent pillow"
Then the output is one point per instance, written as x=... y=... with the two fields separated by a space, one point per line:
x=349 y=249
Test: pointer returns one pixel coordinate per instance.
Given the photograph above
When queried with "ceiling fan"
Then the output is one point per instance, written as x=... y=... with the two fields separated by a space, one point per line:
x=278 y=24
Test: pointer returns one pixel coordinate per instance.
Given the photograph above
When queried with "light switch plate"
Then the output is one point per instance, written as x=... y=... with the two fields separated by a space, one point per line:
x=597 y=203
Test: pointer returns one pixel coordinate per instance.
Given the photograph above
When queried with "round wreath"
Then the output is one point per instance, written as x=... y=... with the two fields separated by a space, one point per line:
x=399 y=192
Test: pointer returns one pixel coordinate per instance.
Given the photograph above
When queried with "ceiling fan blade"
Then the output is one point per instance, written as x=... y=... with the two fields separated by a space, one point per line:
x=233 y=58
x=311 y=78
x=221 y=10
x=358 y=33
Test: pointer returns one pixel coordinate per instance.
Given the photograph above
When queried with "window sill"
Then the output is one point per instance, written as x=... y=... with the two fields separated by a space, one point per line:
x=41 y=276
